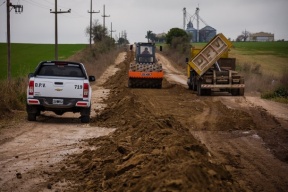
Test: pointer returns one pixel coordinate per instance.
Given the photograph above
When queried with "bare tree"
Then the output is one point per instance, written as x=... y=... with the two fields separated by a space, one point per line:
x=244 y=36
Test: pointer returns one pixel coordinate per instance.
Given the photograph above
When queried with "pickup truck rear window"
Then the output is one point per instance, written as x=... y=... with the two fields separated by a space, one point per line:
x=62 y=70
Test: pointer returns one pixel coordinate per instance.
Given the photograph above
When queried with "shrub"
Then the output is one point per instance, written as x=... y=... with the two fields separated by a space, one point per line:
x=281 y=92
x=13 y=95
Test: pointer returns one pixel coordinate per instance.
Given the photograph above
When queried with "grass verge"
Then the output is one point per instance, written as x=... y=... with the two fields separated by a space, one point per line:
x=25 y=57
x=13 y=94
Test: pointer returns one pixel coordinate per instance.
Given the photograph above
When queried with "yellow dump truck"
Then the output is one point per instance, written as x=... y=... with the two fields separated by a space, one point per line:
x=210 y=69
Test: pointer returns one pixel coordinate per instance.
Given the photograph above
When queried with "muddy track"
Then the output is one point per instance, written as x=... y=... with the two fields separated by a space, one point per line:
x=170 y=139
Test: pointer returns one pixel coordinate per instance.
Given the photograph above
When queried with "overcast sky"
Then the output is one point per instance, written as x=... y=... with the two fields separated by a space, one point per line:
x=230 y=17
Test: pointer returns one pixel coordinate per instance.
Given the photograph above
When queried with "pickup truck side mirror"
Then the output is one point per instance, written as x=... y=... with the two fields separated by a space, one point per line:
x=30 y=75
x=92 y=78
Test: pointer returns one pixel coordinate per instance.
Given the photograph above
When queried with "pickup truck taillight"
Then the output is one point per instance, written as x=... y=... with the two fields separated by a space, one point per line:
x=85 y=90
x=31 y=87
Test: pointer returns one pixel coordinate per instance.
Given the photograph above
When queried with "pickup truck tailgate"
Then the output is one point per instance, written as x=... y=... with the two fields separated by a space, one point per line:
x=59 y=88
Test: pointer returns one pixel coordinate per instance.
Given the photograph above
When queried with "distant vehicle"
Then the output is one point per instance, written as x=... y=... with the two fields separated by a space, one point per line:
x=145 y=71
x=59 y=86
x=210 y=69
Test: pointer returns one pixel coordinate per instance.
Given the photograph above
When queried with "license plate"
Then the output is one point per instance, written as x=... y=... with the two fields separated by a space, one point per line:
x=58 y=101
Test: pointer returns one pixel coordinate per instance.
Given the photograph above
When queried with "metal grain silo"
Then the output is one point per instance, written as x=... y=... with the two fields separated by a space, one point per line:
x=206 y=33
x=191 y=30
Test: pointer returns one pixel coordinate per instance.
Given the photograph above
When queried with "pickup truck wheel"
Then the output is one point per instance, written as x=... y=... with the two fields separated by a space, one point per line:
x=32 y=116
x=85 y=119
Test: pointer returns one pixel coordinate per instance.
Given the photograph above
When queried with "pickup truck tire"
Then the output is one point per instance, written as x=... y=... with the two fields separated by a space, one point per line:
x=32 y=116
x=85 y=115
x=85 y=119
x=32 y=112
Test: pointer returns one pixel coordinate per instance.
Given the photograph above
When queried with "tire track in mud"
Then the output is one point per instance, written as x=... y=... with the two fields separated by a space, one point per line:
x=40 y=148
x=242 y=154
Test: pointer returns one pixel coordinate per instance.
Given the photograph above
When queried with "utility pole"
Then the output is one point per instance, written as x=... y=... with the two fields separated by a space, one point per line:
x=104 y=17
x=91 y=12
x=111 y=30
x=56 y=12
x=18 y=9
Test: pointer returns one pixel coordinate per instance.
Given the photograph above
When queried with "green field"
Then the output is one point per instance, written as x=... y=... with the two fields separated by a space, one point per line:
x=277 y=48
x=25 y=57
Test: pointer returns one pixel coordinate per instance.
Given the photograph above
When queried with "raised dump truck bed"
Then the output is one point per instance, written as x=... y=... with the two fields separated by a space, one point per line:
x=212 y=70
x=209 y=55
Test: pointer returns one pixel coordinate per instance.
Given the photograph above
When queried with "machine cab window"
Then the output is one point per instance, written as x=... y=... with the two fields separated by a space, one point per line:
x=146 y=54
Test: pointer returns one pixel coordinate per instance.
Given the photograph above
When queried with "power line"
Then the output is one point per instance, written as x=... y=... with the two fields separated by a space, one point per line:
x=3 y=3
x=48 y=2
x=37 y=4
x=44 y=6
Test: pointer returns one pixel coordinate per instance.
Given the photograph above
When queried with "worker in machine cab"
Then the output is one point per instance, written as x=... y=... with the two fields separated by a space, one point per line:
x=146 y=51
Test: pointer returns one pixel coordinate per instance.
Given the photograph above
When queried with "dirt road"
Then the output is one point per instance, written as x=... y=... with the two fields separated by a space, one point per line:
x=165 y=139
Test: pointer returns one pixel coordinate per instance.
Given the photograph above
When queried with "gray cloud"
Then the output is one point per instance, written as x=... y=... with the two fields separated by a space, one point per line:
x=36 y=23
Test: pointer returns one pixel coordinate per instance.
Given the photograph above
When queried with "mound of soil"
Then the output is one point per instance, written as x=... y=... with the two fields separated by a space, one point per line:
x=149 y=151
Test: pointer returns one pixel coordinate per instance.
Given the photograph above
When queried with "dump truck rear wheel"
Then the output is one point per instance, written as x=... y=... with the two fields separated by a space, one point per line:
x=199 y=90
x=207 y=92
x=235 y=92
x=241 y=90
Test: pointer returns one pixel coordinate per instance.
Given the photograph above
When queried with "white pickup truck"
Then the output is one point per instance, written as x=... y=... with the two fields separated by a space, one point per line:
x=59 y=86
